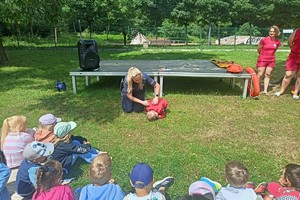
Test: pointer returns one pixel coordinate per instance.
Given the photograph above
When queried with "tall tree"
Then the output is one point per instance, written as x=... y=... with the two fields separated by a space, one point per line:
x=184 y=13
x=286 y=13
x=212 y=12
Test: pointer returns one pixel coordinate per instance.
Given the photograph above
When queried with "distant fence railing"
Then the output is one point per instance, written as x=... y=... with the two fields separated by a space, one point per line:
x=193 y=37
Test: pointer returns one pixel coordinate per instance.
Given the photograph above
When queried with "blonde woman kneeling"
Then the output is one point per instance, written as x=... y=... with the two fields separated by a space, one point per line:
x=134 y=89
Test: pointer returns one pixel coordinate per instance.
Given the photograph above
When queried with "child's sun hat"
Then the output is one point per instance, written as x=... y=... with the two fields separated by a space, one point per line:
x=61 y=129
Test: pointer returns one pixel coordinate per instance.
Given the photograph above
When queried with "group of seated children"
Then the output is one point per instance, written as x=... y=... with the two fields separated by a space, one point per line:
x=43 y=155
x=27 y=149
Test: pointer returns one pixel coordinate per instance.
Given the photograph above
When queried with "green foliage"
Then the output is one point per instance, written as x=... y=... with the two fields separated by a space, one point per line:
x=247 y=29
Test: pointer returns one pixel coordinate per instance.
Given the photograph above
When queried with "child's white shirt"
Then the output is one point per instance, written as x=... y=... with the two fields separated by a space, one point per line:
x=232 y=193
x=151 y=196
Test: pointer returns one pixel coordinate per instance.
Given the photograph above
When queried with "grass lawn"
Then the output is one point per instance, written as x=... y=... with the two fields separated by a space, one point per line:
x=207 y=125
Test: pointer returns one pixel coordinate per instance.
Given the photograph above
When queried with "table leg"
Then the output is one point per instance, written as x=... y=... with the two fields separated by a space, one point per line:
x=74 y=85
x=232 y=83
x=161 y=83
x=87 y=80
x=245 y=88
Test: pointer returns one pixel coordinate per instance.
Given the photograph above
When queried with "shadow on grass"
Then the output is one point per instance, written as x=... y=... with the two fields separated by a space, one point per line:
x=201 y=86
x=76 y=170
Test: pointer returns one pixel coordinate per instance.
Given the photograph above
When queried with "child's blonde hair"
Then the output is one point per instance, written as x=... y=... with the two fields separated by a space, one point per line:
x=48 y=127
x=48 y=176
x=66 y=139
x=276 y=29
x=134 y=72
x=236 y=173
x=15 y=124
x=152 y=115
x=100 y=169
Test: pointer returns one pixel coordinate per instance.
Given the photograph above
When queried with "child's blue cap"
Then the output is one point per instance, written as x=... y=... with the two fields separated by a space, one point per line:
x=141 y=175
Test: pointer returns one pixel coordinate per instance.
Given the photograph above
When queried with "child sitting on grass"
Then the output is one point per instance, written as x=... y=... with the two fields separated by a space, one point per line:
x=156 y=111
x=48 y=183
x=200 y=190
x=46 y=128
x=288 y=187
x=237 y=176
x=35 y=154
x=103 y=186
x=141 y=178
x=15 y=136
x=67 y=149
x=4 y=176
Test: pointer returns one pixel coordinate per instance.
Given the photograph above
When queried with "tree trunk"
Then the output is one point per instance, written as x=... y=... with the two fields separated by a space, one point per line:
x=55 y=36
x=124 y=37
x=185 y=33
x=31 y=27
x=3 y=56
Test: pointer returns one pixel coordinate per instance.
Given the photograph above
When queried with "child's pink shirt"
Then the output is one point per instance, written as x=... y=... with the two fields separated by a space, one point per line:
x=13 y=147
x=57 y=192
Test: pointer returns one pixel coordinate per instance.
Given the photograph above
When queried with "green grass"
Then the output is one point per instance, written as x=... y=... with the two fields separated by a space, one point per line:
x=207 y=125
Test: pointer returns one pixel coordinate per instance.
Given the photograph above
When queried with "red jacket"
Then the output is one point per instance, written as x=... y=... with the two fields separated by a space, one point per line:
x=160 y=108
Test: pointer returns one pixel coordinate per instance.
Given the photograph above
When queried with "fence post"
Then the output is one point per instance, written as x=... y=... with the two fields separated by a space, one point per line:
x=209 y=35
x=164 y=39
x=200 y=37
x=235 y=37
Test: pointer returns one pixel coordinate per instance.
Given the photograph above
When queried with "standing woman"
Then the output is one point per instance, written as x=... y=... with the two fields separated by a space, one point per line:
x=266 y=58
x=292 y=66
x=134 y=89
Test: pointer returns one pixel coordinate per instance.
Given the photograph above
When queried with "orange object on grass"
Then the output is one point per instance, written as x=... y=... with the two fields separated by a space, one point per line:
x=253 y=85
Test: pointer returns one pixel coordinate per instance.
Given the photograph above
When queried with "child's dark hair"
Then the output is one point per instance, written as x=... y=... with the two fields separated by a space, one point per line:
x=2 y=157
x=48 y=176
x=292 y=173
x=237 y=174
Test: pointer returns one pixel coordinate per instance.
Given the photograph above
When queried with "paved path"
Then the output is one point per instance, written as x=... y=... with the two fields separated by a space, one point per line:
x=11 y=185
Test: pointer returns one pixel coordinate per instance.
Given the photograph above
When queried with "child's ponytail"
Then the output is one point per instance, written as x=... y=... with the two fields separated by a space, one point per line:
x=17 y=123
x=39 y=177
x=48 y=176
x=5 y=130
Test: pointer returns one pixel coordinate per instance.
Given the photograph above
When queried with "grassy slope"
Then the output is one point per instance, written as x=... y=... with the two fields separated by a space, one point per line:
x=208 y=124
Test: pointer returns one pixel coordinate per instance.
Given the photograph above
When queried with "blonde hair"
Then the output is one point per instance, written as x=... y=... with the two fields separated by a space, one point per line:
x=152 y=115
x=100 y=169
x=236 y=174
x=15 y=124
x=276 y=29
x=133 y=72
x=48 y=127
x=66 y=139
x=48 y=176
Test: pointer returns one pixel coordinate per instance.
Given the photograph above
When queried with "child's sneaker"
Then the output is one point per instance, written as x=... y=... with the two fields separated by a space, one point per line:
x=215 y=185
x=296 y=97
x=261 y=188
x=250 y=185
x=277 y=94
x=165 y=183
